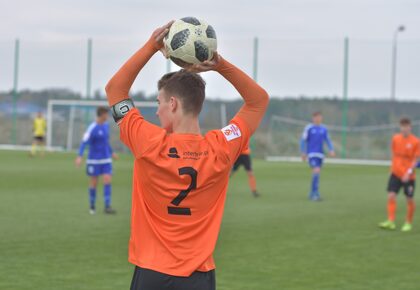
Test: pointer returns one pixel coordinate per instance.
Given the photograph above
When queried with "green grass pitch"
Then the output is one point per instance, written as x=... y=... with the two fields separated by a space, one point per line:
x=279 y=241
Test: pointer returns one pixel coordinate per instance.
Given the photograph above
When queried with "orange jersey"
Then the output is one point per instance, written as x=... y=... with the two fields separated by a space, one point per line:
x=179 y=190
x=180 y=180
x=246 y=151
x=405 y=151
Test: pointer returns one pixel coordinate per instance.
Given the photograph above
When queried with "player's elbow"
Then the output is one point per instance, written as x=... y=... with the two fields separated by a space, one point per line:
x=261 y=103
x=265 y=99
x=112 y=92
x=109 y=88
x=260 y=99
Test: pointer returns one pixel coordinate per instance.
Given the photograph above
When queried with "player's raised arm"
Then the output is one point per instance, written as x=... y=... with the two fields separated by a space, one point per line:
x=135 y=132
x=119 y=86
x=255 y=97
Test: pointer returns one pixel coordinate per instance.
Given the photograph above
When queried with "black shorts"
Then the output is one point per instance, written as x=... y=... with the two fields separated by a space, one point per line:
x=395 y=184
x=39 y=138
x=145 y=279
x=245 y=160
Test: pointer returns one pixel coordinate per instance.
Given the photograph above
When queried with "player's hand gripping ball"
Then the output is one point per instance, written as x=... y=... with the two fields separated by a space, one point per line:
x=190 y=41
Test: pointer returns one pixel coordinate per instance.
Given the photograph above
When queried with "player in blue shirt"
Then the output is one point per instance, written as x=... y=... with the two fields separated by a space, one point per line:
x=312 y=149
x=99 y=160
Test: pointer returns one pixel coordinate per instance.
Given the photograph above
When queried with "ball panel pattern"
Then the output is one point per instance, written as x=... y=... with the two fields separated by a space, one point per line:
x=191 y=20
x=179 y=39
x=201 y=51
x=210 y=32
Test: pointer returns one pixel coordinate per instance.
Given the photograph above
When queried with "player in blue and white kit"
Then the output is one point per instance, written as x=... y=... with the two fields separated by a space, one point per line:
x=99 y=161
x=312 y=149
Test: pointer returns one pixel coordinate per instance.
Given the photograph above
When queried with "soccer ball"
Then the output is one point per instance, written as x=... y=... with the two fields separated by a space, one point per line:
x=190 y=41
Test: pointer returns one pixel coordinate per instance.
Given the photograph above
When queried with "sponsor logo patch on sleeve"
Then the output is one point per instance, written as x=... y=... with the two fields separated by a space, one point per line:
x=231 y=132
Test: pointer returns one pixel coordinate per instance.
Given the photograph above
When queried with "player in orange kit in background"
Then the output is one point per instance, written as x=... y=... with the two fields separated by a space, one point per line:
x=180 y=177
x=405 y=154
x=245 y=160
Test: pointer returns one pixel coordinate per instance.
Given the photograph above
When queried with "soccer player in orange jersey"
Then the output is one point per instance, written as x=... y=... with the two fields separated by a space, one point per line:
x=405 y=154
x=245 y=160
x=180 y=176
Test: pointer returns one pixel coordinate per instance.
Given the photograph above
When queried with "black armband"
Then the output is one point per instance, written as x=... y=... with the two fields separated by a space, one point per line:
x=119 y=110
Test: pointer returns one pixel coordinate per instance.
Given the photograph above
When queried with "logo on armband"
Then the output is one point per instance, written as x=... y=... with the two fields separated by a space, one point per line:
x=124 y=109
x=121 y=109
x=231 y=132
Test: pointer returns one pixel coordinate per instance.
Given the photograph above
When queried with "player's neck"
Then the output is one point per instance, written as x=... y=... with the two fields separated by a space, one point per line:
x=186 y=125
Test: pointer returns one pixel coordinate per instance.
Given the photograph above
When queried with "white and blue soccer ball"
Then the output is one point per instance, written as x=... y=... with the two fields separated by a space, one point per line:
x=190 y=41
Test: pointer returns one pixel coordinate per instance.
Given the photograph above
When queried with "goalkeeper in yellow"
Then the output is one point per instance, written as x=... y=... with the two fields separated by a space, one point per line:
x=40 y=128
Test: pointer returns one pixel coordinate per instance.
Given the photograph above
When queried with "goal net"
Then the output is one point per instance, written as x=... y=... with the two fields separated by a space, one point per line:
x=67 y=121
x=362 y=143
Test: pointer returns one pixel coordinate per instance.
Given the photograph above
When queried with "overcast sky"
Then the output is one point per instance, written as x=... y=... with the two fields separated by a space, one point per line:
x=301 y=42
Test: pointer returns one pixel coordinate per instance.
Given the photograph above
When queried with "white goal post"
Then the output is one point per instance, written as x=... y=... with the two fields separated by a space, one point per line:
x=73 y=104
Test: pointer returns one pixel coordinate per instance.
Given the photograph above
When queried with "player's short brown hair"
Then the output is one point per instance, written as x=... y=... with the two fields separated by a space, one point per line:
x=316 y=113
x=405 y=121
x=189 y=87
x=101 y=110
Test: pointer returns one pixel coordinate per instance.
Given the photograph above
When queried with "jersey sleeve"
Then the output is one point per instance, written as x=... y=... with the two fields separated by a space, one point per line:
x=417 y=150
x=255 y=97
x=110 y=148
x=138 y=134
x=108 y=141
x=416 y=153
x=86 y=138
x=393 y=146
x=236 y=136
x=328 y=141
x=304 y=139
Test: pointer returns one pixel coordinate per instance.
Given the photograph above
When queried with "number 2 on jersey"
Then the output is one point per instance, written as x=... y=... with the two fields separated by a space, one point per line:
x=176 y=210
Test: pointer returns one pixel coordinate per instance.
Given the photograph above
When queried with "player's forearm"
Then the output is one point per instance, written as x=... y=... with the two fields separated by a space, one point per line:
x=255 y=97
x=303 y=146
x=119 y=86
x=330 y=145
x=82 y=149
x=413 y=166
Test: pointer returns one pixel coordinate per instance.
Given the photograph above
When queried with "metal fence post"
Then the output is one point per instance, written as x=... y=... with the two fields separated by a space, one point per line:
x=88 y=77
x=15 y=91
x=345 y=99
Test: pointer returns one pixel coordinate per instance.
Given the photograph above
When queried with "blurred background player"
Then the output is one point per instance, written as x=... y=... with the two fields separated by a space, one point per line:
x=39 y=127
x=405 y=154
x=312 y=149
x=245 y=160
x=99 y=161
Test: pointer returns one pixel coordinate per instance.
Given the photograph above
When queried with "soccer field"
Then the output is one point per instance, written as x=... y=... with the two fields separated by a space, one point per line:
x=279 y=241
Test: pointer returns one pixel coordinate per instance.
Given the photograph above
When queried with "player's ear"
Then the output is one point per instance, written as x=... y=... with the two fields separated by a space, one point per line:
x=173 y=102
